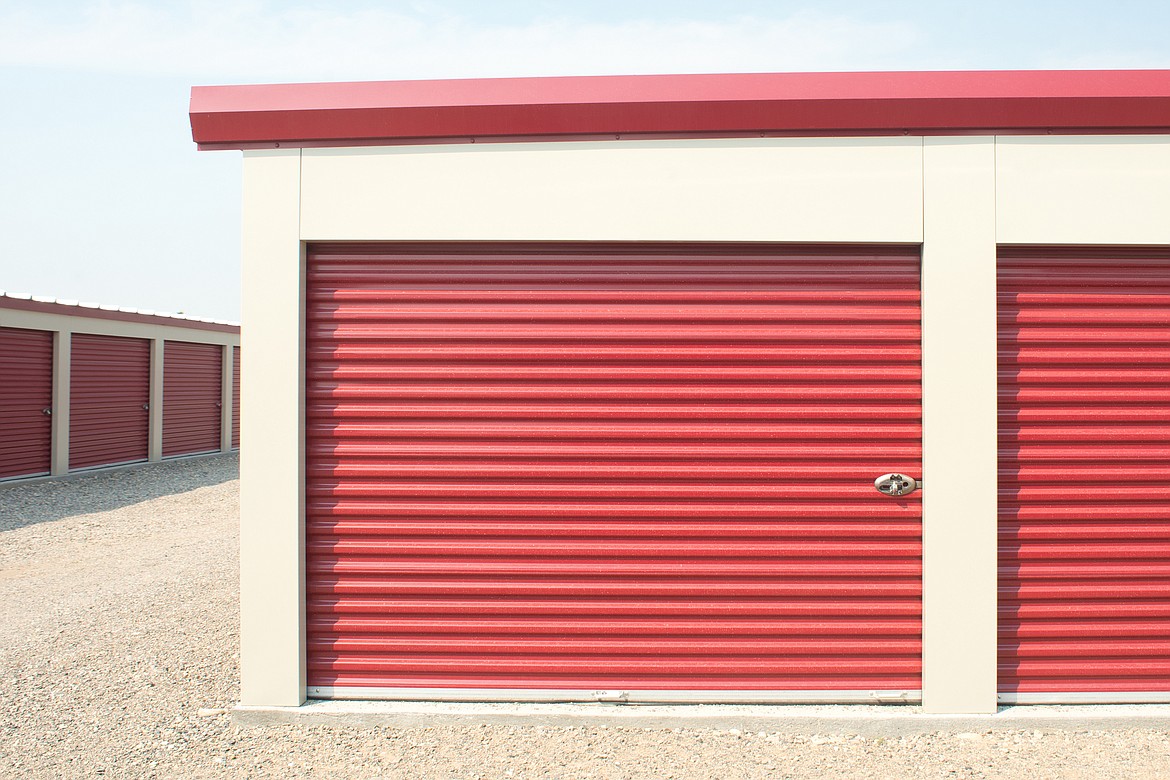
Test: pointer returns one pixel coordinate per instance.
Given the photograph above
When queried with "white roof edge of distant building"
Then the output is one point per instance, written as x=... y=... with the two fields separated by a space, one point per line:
x=111 y=307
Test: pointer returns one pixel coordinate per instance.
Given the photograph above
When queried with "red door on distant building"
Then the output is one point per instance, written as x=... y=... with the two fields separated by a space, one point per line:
x=26 y=400
x=192 y=387
x=109 y=400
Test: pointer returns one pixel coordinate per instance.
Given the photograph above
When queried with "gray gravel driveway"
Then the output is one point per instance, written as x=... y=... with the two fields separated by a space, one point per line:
x=119 y=651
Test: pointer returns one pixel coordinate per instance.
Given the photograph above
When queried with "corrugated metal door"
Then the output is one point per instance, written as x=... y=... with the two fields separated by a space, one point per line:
x=109 y=397
x=191 y=397
x=26 y=396
x=1084 y=474
x=632 y=468
x=235 y=397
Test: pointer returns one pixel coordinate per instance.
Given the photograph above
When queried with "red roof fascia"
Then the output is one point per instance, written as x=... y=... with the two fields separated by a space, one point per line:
x=917 y=103
x=89 y=312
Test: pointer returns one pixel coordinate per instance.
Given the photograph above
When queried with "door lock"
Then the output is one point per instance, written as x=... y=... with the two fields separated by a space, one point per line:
x=896 y=484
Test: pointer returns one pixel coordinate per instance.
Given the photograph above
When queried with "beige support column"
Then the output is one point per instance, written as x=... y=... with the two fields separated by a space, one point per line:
x=155 y=424
x=62 y=361
x=225 y=399
x=272 y=536
x=959 y=426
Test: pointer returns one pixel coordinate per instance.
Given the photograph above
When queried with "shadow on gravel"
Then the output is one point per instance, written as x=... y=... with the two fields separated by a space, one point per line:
x=53 y=499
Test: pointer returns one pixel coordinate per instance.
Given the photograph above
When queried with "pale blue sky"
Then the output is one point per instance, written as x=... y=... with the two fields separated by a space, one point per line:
x=104 y=198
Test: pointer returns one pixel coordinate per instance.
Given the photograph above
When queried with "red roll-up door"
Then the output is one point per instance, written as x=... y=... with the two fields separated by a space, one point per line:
x=630 y=468
x=235 y=398
x=109 y=396
x=26 y=394
x=1084 y=373
x=192 y=385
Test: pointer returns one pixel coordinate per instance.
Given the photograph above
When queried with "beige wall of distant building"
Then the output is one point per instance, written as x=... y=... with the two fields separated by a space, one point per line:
x=73 y=319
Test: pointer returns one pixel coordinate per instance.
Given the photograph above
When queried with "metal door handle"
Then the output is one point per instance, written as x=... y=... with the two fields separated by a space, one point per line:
x=896 y=484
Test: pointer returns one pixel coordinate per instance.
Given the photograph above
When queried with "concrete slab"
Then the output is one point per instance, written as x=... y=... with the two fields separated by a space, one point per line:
x=15 y=482
x=865 y=720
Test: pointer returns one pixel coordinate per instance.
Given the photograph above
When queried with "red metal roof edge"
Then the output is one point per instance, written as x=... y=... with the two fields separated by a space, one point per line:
x=919 y=103
x=93 y=311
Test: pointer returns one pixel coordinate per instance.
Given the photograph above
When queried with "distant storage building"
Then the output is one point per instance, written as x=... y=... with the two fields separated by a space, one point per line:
x=771 y=387
x=84 y=387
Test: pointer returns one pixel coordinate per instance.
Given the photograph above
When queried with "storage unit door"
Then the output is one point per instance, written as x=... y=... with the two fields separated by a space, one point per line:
x=26 y=397
x=643 y=469
x=1084 y=475
x=191 y=397
x=109 y=397
x=235 y=398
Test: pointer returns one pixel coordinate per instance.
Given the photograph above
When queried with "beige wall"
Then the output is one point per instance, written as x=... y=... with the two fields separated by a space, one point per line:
x=1083 y=190
x=703 y=190
x=958 y=197
x=225 y=395
x=272 y=536
x=959 y=427
x=62 y=362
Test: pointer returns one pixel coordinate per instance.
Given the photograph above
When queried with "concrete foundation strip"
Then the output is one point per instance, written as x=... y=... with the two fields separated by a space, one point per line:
x=863 y=720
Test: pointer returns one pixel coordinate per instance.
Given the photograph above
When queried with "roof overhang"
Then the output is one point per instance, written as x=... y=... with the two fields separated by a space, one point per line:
x=96 y=311
x=724 y=105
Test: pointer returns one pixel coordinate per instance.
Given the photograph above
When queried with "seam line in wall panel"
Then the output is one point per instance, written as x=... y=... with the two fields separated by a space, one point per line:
x=302 y=325
x=995 y=400
x=921 y=205
x=995 y=203
x=924 y=332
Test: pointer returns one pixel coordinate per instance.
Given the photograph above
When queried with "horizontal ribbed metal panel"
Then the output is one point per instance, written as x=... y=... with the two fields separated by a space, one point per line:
x=109 y=396
x=26 y=391
x=1084 y=482
x=235 y=397
x=192 y=385
x=640 y=467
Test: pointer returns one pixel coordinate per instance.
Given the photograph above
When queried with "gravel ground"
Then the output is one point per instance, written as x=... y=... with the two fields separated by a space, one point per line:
x=119 y=650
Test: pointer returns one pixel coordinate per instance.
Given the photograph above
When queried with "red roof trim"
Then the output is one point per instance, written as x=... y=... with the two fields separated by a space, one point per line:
x=917 y=103
x=89 y=312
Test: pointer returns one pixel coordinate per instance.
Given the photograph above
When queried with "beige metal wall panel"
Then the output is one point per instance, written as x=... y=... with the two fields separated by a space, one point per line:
x=1083 y=190
x=39 y=320
x=62 y=360
x=225 y=395
x=272 y=542
x=959 y=426
x=830 y=189
x=157 y=357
